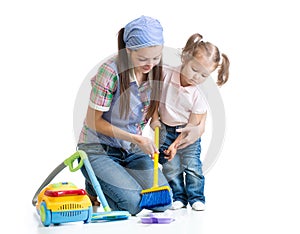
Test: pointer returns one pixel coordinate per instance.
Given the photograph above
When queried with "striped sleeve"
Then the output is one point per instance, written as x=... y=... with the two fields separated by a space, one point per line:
x=104 y=85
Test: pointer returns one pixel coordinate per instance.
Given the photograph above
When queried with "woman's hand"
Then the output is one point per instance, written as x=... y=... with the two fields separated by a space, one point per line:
x=190 y=134
x=155 y=124
x=145 y=144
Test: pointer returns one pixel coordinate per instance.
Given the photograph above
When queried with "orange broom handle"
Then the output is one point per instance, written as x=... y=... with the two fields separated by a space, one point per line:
x=156 y=141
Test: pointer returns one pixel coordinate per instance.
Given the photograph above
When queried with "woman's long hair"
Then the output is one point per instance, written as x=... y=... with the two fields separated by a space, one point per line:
x=123 y=69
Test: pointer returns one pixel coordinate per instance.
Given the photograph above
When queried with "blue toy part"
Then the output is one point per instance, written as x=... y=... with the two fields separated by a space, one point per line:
x=93 y=178
x=72 y=216
x=45 y=214
x=109 y=216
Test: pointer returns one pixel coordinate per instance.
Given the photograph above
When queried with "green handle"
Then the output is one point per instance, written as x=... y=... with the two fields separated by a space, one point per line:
x=70 y=161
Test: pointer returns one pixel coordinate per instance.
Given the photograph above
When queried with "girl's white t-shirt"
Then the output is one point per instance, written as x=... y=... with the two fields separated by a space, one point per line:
x=178 y=102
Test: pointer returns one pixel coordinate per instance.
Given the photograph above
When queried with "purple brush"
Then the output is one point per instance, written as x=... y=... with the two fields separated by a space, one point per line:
x=152 y=219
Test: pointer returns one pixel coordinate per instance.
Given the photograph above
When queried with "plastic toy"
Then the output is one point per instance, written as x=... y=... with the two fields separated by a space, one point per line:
x=55 y=203
x=63 y=202
x=156 y=195
x=108 y=214
x=160 y=220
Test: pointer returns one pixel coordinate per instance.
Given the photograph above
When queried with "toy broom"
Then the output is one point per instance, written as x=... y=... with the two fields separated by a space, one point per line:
x=155 y=196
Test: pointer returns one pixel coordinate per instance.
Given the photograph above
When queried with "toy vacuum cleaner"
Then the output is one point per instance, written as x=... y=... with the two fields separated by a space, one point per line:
x=64 y=202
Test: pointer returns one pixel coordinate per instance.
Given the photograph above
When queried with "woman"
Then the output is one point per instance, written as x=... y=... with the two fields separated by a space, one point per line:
x=123 y=98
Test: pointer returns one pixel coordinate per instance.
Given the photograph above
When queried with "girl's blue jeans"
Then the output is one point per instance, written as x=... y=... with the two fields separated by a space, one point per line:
x=184 y=171
x=122 y=175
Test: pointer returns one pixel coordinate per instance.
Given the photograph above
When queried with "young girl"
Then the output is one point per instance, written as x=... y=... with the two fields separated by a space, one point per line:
x=182 y=105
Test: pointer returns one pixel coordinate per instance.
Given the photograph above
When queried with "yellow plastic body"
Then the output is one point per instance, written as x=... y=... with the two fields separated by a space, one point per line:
x=63 y=203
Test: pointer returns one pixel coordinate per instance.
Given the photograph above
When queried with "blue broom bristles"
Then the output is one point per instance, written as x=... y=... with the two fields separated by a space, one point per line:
x=155 y=199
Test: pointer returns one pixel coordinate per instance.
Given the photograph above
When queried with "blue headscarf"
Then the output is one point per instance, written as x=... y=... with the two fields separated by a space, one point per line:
x=143 y=32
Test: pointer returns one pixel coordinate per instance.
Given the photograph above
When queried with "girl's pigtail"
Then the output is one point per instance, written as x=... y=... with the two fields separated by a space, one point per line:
x=223 y=72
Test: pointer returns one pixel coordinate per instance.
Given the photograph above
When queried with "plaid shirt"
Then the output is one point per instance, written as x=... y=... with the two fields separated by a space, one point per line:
x=104 y=97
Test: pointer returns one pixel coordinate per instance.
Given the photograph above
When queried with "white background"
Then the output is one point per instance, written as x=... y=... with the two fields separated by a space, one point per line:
x=48 y=47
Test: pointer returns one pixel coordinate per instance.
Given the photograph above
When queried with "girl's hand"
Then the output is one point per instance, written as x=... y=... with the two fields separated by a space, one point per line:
x=145 y=144
x=170 y=152
x=190 y=135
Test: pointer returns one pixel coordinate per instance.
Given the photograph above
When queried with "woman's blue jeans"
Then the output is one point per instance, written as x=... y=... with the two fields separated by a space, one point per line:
x=184 y=171
x=122 y=175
